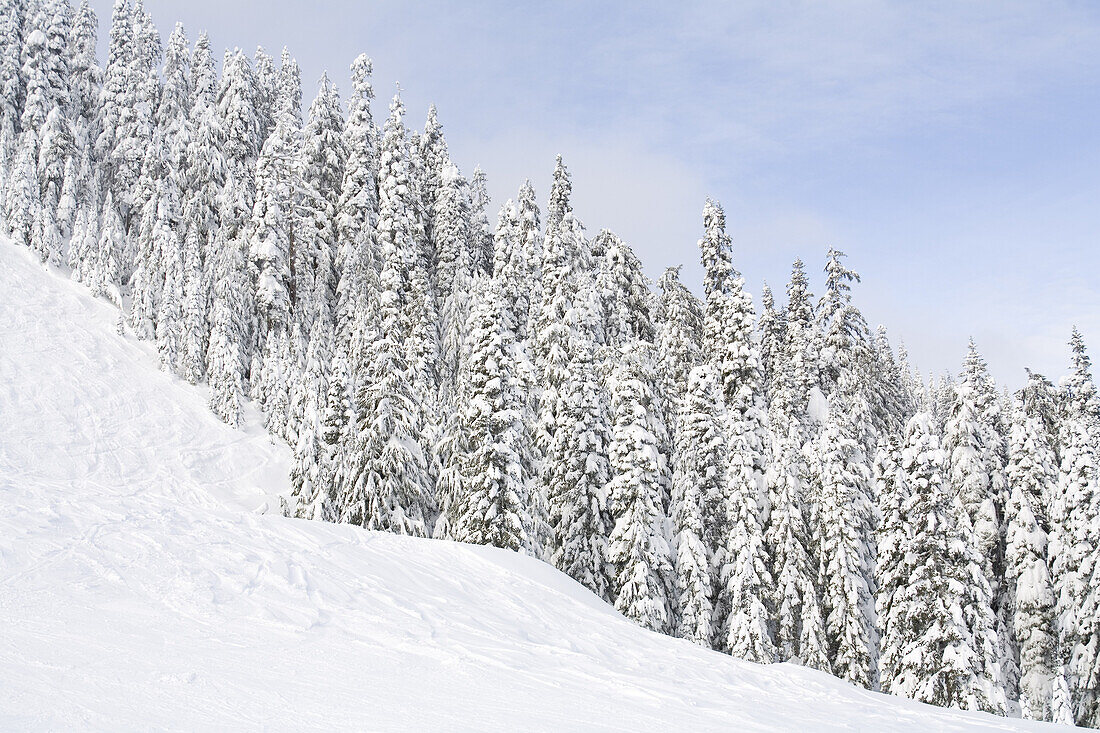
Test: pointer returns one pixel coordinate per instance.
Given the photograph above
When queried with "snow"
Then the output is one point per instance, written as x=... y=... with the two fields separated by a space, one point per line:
x=142 y=586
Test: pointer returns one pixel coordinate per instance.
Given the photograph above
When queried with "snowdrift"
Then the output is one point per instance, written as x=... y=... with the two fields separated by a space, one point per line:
x=143 y=586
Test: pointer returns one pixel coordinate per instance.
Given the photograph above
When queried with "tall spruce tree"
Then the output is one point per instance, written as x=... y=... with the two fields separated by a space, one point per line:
x=493 y=508
x=637 y=548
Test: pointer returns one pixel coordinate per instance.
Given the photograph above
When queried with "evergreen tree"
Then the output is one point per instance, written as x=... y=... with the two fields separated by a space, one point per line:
x=844 y=338
x=383 y=480
x=743 y=576
x=116 y=104
x=193 y=356
x=637 y=547
x=624 y=293
x=1075 y=536
x=224 y=366
x=580 y=471
x=893 y=536
x=11 y=88
x=267 y=91
x=357 y=210
x=481 y=236
x=679 y=318
x=103 y=277
x=323 y=159
x=800 y=627
x=1033 y=620
x=772 y=326
x=311 y=475
x=271 y=235
x=942 y=657
x=493 y=506
x=844 y=541
x=700 y=475
x=801 y=344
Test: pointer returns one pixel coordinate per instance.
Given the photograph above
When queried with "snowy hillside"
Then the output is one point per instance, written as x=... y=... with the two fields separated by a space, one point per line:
x=141 y=589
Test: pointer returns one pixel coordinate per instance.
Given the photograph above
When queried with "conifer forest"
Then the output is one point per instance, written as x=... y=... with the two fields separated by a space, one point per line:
x=766 y=476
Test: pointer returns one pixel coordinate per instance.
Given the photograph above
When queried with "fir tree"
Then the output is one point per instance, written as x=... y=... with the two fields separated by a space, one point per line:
x=323 y=158
x=224 y=366
x=311 y=475
x=1033 y=619
x=624 y=293
x=579 y=466
x=700 y=474
x=493 y=506
x=383 y=480
x=844 y=541
x=743 y=577
x=800 y=627
x=637 y=548
x=943 y=658
x=679 y=319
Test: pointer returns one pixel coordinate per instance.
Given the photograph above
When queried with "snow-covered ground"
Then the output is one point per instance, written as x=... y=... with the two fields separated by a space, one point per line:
x=142 y=587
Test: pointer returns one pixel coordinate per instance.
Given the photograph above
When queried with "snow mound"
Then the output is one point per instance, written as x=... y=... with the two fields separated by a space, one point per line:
x=142 y=586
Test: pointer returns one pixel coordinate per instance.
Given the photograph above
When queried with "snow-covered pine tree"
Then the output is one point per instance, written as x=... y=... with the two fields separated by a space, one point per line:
x=224 y=366
x=22 y=202
x=432 y=155
x=322 y=162
x=773 y=335
x=975 y=463
x=517 y=251
x=311 y=475
x=844 y=541
x=116 y=102
x=728 y=338
x=205 y=169
x=549 y=331
x=1074 y=544
x=578 y=461
x=637 y=547
x=744 y=580
x=54 y=155
x=481 y=236
x=800 y=361
x=844 y=339
x=241 y=128
x=357 y=213
x=383 y=481
x=450 y=231
x=1032 y=467
x=493 y=507
x=799 y=624
x=891 y=402
x=105 y=271
x=679 y=324
x=698 y=479
x=240 y=125
x=159 y=236
x=893 y=534
x=192 y=366
x=624 y=293
x=271 y=235
x=166 y=231
x=11 y=87
x=267 y=90
x=943 y=659
x=1033 y=610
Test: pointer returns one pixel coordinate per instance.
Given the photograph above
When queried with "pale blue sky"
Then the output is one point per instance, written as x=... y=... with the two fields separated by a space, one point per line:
x=952 y=149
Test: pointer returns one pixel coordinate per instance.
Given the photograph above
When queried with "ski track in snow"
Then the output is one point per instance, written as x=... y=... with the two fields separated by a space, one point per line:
x=143 y=588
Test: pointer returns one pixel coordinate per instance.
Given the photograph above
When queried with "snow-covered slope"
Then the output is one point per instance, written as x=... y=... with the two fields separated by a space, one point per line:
x=141 y=589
